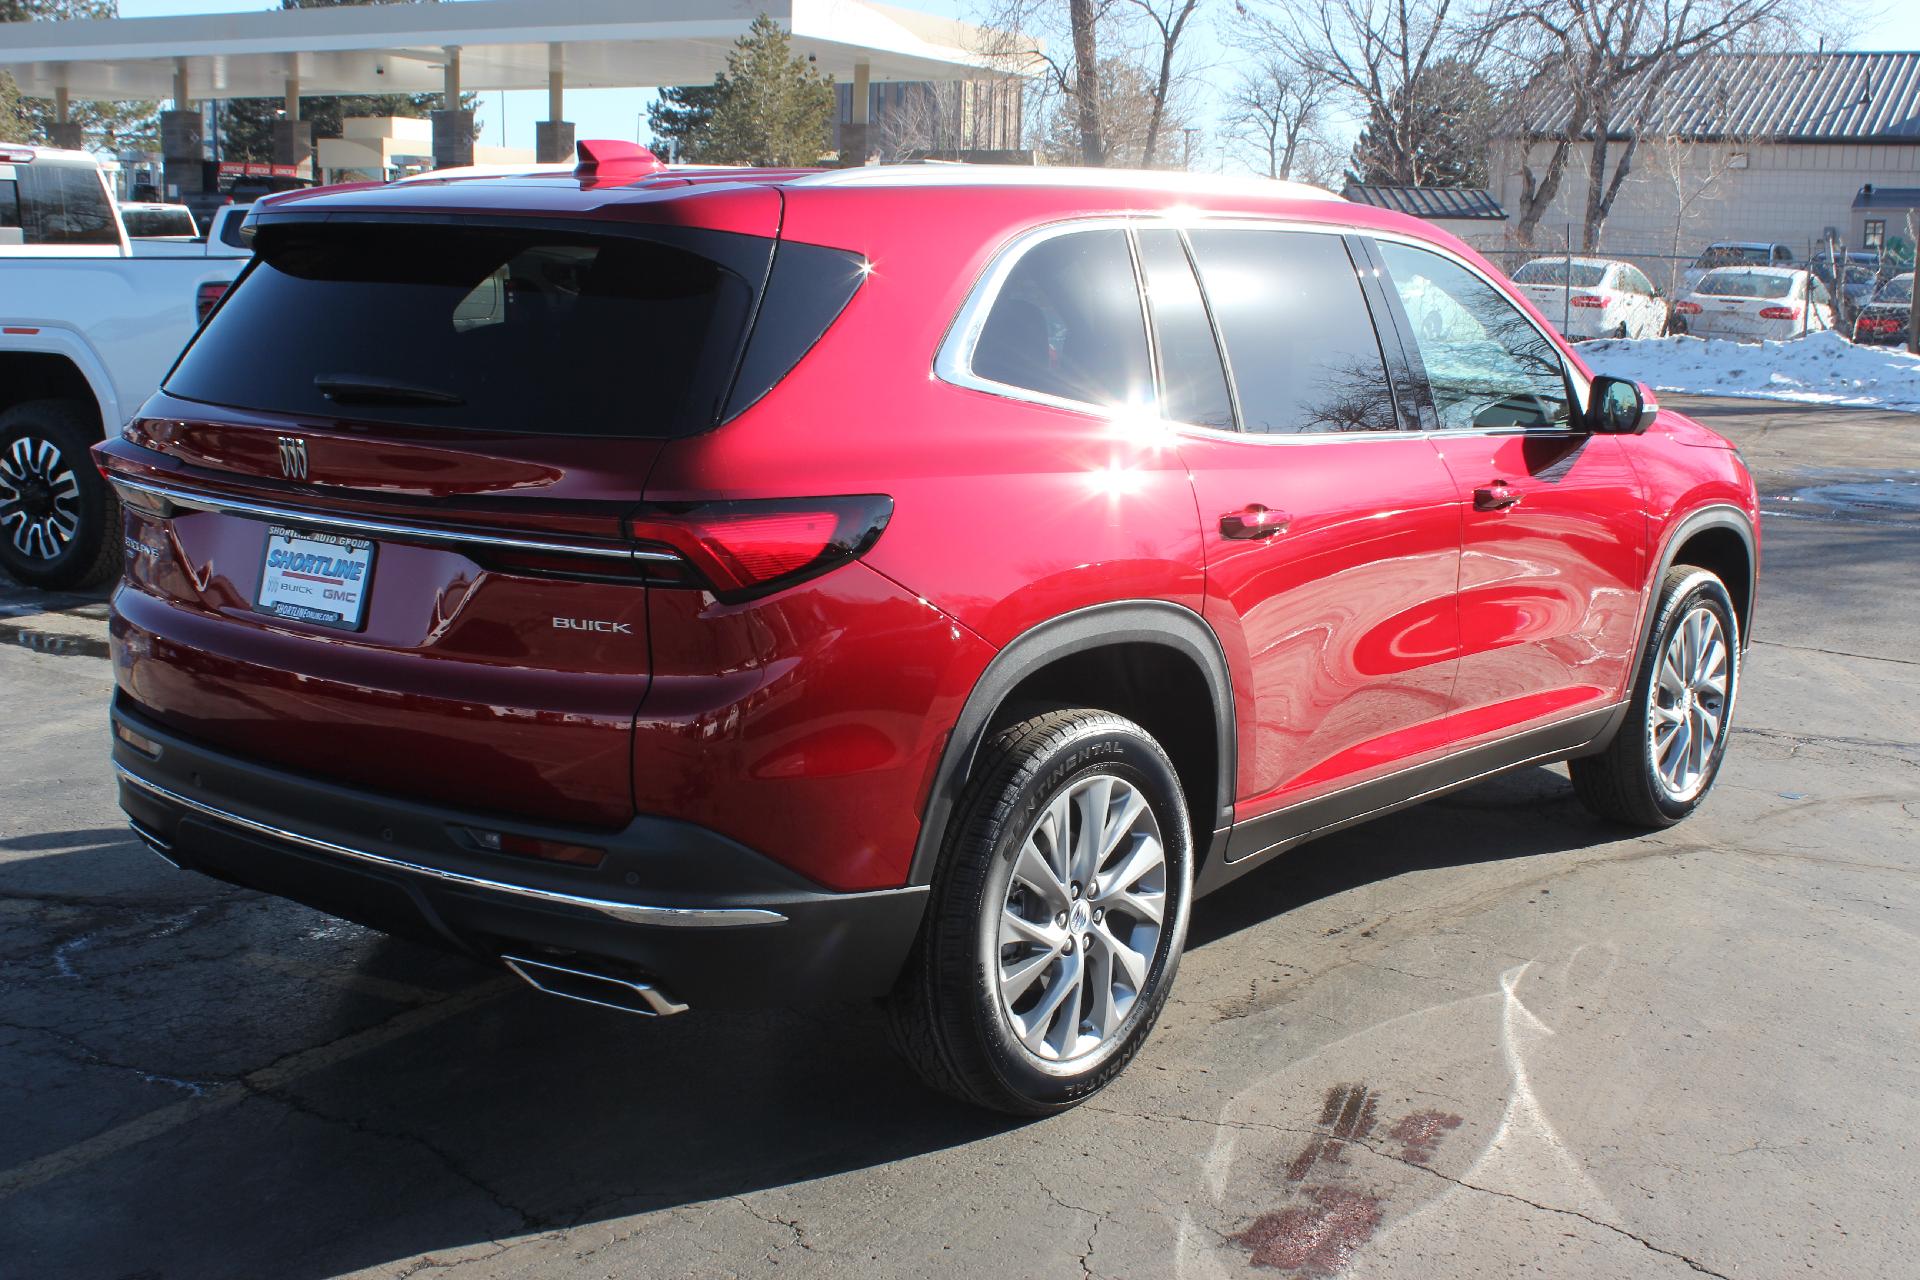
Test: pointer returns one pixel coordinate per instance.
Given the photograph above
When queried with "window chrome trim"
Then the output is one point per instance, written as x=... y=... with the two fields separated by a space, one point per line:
x=170 y=496
x=953 y=359
x=632 y=912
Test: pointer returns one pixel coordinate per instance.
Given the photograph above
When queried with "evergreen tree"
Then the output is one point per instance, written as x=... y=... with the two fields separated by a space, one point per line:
x=681 y=120
x=1433 y=133
x=769 y=107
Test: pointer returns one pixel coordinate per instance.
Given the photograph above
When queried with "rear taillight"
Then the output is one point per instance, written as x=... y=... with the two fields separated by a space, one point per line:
x=748 y=548
x=1687 y=308
x=208 y=296
x=1588 y=300
x=1779 y=313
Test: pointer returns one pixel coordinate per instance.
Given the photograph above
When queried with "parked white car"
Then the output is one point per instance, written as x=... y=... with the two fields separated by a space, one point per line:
x=1594 y=297
x=1735 y=253
x=88 y=327
x=1754 y=303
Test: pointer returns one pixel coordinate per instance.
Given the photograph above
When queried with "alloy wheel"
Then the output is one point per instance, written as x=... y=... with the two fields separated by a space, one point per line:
x=1082 y=919
x=39 y=498
x=1688 y=710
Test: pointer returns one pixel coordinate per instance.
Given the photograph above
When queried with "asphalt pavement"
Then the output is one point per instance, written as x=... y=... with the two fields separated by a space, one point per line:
x=1487 y=1036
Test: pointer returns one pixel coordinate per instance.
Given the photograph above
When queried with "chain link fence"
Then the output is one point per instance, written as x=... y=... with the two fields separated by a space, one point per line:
x=1851 y=282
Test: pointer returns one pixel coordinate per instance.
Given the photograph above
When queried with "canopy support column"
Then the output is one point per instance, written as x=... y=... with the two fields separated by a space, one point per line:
x=452 y=127
x=553 y=137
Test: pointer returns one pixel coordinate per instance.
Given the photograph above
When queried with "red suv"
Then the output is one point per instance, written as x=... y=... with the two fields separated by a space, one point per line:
x=695 y=587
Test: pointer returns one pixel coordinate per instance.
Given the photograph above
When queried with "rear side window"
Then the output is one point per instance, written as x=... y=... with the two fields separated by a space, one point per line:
x=1193 y=383
x=523 y=330
x=1067 y=323
x=1298 y=334
x=65 y=204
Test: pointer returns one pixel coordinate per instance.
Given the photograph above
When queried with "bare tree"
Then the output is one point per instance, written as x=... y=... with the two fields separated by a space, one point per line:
x=1275 y=109
x=1598 y=68
x=1693 y=174
x=1086 y=80
x=1383 y=57
x=1168 y=20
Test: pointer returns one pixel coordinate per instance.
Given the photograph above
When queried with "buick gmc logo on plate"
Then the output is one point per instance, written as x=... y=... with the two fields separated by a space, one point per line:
x=592 y=624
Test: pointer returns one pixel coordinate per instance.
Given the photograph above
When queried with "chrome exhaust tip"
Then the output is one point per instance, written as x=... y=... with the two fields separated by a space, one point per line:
x=160 y=845
x=628 y=995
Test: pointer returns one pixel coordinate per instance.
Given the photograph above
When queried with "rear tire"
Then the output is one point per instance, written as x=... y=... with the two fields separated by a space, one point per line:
x=1041 y=968
x=1665 y=755
x=59 y=521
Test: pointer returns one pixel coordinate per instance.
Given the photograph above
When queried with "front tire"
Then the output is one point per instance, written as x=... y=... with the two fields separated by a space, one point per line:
x=1057 y=917
x=1664 y=757
x=59 y=521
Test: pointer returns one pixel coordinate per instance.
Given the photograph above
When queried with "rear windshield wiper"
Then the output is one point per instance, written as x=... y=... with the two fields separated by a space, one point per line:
x=347 y=388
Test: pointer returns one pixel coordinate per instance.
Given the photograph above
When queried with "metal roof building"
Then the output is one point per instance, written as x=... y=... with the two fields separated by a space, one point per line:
x=1778 y=148
x=1780 y=97
x=1436 y=204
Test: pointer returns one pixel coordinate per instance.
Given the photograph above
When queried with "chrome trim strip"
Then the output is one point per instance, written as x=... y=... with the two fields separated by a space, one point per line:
x=682 y=917
x=379 y=528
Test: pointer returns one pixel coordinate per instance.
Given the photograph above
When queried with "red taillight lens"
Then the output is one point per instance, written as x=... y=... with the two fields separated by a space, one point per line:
x=1588 y=300
x=208 y=296
x=1687 y=308
x=1779 y=313
x=748 y=548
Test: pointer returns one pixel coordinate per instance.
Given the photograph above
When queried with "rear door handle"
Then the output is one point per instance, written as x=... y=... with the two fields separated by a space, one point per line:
x=1495 y=497
x=1254 y=521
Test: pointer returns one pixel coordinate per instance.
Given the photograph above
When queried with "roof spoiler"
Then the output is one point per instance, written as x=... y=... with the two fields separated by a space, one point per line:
x=613 y=158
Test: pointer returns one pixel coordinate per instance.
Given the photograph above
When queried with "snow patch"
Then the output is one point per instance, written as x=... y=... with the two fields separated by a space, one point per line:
x=1822 y=368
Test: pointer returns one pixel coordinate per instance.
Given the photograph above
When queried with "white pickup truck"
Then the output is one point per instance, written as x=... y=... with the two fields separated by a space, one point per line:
x=88 y=328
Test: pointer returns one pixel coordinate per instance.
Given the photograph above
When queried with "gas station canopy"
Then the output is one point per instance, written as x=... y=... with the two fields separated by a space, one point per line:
x=493 y=44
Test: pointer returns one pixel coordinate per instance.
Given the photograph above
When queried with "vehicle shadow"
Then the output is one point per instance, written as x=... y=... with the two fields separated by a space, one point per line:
x=399 y=1129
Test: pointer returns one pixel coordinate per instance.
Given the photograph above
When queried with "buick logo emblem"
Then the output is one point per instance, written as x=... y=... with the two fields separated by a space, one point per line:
x=293 y=457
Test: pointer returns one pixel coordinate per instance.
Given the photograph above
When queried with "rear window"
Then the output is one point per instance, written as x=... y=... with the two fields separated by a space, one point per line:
x=65 y=204
x=511 y=329
x=1746 y=284
x=1586 y=275
x=1727 y=255
x=1899 y=289
x=174 y=221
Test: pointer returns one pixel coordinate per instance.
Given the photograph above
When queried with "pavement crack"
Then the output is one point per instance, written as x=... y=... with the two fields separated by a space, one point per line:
x=775 y=1220
x=1837 y=653
x=526 y=1219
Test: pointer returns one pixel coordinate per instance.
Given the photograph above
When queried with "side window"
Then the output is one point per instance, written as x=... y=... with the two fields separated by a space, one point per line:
x=66 y=204
x=1194 y=384
x=1488 y=366
x=1067 y=323
x=1298 y=334
x=10 y=232
x=230 y=228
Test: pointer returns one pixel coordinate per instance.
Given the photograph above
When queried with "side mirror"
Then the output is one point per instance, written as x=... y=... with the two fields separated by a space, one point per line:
x=1620 y=408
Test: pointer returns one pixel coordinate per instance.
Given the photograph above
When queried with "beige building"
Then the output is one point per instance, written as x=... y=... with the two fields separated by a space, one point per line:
x=1756 y=147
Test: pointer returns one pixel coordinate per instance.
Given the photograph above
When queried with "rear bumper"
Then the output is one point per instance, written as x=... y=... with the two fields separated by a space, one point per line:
x=709 y=921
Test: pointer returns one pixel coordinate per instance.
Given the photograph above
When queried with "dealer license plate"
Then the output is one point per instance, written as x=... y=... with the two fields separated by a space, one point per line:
x=322 y=578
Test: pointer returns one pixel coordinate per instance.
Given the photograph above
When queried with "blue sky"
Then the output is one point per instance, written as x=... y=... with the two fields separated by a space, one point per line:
x=507 y=119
